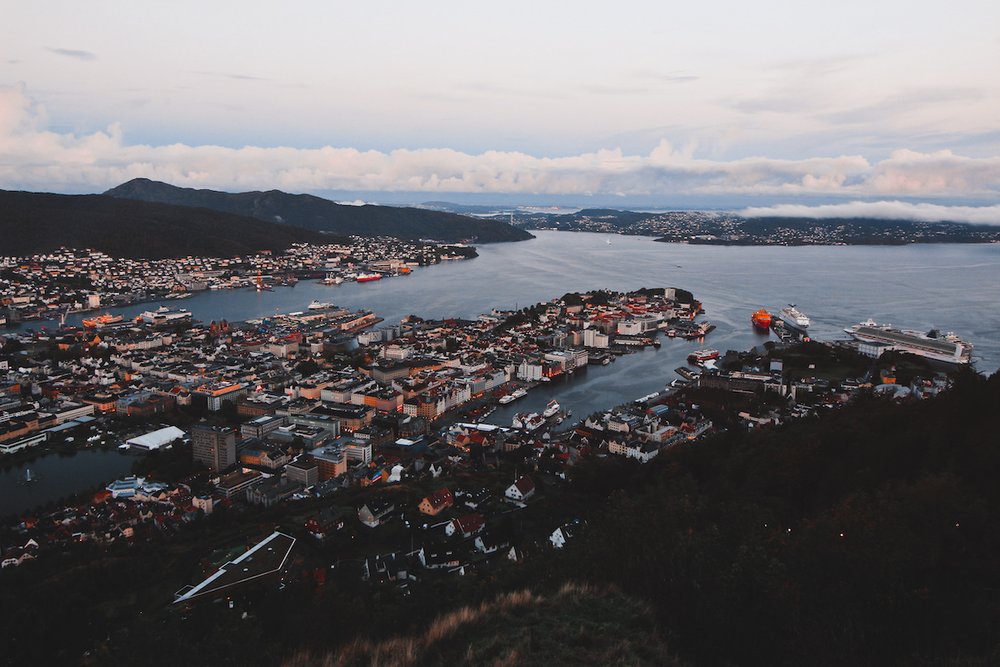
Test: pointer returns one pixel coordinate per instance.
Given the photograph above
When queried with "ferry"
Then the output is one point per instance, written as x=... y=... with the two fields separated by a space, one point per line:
x=794 y=318
x=164 y=316
x=368 y=277
x=701 y=356
x=319 y=305
x=104 y=320
x=761 y=320
x=947 y=347
x=551 y=409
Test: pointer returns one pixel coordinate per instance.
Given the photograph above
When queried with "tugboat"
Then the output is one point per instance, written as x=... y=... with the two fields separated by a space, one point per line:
x=762 y=320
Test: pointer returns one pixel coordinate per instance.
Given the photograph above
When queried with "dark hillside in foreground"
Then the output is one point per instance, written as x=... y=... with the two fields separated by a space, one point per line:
x=324 y=215
x=867 y=536
x=36 y=222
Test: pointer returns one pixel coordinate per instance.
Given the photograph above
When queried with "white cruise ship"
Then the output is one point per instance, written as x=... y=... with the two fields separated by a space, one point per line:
x=794 y=318
x=948 y=347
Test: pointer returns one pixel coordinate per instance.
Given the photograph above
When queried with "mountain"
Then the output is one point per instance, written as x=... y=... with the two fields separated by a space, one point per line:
x=324 y=215
x=33 y=222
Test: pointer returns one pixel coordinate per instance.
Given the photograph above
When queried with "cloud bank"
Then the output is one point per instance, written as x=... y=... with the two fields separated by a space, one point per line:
x=884 y=210
x=34 y=158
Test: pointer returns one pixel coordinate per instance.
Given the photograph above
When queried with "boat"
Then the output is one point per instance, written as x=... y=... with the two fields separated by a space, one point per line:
x=551 y=409
x=528 y=421
x=934 y=345
x=762 y=320
x=794 y=318
x=368 y=277
x=102 y=321
x=332 y=279
x=701 y=356
x=520 y=393
x=28 y=476
x=164 y=316
x=319 y=305
x=609 y=241
x=506 y=398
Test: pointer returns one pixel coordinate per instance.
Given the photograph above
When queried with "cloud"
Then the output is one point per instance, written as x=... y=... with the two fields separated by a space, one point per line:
x=73 y=53
x=886 y=210
x=36 y=158
x=232 y=75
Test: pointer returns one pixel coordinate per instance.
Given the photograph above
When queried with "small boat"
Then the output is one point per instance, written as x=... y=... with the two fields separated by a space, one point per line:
x=28 y=477
x=609 y=241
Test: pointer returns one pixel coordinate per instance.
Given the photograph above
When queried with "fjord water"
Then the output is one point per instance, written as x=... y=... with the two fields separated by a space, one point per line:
x=950 y=287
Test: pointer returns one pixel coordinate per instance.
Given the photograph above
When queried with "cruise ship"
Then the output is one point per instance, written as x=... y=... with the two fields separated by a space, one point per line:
x=794 y=318
x=948 y=347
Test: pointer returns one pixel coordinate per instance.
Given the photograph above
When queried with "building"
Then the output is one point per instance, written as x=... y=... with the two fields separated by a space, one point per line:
x=262 y=565
x=521 y=490
x=376 y=512
x=238 y=483
x=433 y=504
x=156 y=439
x=331 y=461
x=303 y=470
x=261 y=426
x=214 y=446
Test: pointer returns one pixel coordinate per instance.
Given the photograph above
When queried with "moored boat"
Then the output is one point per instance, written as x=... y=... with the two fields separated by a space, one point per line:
x=946 y=347
x=102 y=321
x=701 y=356
x=794 y=318
x=762 y=320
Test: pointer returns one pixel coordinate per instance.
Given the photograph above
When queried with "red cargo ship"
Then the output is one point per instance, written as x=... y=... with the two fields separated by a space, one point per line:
x=761 y=319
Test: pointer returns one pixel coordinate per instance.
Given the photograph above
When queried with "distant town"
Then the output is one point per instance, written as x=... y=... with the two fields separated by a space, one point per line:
x=52 y=285
x=718 y=228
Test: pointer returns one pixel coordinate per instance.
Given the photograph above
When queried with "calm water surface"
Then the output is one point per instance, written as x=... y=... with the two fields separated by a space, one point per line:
x=951 y=287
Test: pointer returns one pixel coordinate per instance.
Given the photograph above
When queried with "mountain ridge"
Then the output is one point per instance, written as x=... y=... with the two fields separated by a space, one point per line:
x=34 y=222
x=318 y=214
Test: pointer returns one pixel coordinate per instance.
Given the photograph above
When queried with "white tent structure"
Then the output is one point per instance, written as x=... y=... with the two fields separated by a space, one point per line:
x=156 y=439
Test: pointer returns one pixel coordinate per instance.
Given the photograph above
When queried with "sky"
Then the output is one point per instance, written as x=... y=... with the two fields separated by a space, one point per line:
x=734 y=103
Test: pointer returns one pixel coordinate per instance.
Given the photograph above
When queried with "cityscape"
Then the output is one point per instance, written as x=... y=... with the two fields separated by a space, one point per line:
x=488 y=349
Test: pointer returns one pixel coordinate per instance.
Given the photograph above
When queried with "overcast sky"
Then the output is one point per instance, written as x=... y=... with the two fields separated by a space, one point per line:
x=766 y=101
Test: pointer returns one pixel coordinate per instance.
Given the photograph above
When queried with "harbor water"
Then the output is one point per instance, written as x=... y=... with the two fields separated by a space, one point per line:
x=949 y=287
